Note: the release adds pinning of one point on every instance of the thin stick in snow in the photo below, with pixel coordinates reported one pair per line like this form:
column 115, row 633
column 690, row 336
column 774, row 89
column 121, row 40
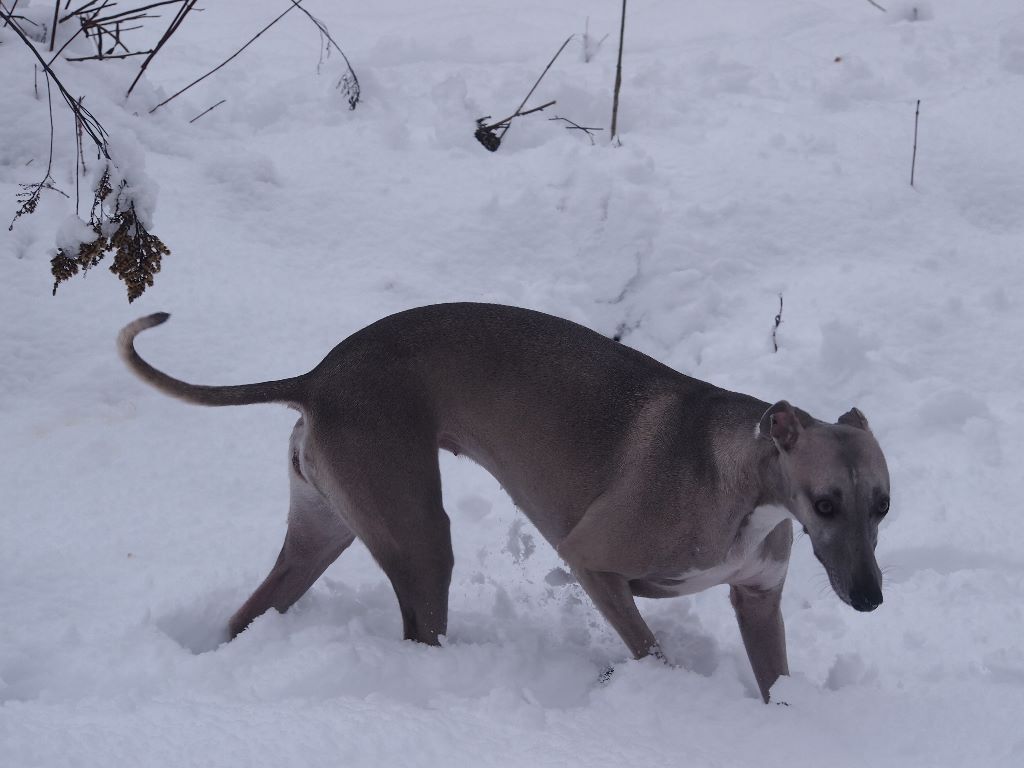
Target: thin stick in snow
column 91, row 125
column 210, row 109
column 778, row 322
column 505, row 123
column 53, row 30
column 913, row 159
column 179, row 17
column 528, row 95
column 486, row 135
column 252, row 40
column 349, row 83
column 618, row 74
column 574, row 126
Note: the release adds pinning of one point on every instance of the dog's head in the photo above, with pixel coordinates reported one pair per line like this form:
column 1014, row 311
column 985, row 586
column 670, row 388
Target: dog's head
column 837, row 486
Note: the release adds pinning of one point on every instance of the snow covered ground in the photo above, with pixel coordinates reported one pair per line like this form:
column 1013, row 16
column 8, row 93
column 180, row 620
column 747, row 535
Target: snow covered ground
column 765, row 149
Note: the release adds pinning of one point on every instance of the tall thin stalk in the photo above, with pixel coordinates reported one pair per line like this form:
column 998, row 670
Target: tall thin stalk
column 618, row 75
column 913, row 159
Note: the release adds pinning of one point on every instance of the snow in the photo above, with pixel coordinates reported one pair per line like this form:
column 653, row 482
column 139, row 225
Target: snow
column 765, row 150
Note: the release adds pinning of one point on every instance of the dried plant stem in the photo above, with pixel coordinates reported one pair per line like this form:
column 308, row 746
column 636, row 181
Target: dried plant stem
column 179, row 17
column 574, row 126
column 49, row 157
column 14, row 7
column 109, row 56
column 509, row 119
column 89, row 122
column 778, row 322
column 618, row 75
column 522, row 104
column 81, row 9
column 53, row 28
column 130, row 13
column 31, row 193
column 66, row 44
column 355, row 88
column 913, row 159
column 253, row 39
column 210, row 109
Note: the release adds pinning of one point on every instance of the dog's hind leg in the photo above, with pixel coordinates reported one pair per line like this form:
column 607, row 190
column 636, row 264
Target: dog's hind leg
column 421, row 575
column 392, row 500
column 316, row 535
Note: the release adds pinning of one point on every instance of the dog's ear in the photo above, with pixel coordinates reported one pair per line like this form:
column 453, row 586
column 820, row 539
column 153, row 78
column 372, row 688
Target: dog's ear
column 782, row 424
column 854, row 418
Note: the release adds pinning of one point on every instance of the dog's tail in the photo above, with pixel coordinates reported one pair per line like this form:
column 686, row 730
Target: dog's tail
column 289, row 391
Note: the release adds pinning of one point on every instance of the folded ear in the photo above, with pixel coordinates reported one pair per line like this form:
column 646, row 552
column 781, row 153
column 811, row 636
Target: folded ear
column 781, row 424
column 854, row 418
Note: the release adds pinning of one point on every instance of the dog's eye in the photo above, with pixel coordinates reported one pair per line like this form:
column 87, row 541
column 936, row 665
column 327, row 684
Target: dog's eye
column 825, row 507
column 883, row 507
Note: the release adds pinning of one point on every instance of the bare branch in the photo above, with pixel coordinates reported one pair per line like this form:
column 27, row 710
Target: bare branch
column 210, row 109
column 14, row 7
column 913, row 159
column 68, row 42
column 80, row 10
column 574, row 126
column 486, row 135
column 53, row 29
column 349, row 84
column 534, row 88
column 775, row 328
column 98, row 57
column 90, row 124
column 179, row 17
column 253, row 39
column 30, row 193
column 618, row 74
column 131, row 13
column 510, row 118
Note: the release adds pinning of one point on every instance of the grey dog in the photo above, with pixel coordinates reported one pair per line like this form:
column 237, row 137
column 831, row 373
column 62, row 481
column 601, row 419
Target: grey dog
column 647, row 482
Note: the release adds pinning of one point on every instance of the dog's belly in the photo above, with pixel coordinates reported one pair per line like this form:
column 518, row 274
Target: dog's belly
column 747, row 562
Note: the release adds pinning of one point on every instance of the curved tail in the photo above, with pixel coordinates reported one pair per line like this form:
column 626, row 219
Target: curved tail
column 289, row 391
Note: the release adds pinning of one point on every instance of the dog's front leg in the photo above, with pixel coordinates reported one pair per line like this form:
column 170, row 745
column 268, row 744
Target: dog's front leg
column 764, row 635
column 614, row 599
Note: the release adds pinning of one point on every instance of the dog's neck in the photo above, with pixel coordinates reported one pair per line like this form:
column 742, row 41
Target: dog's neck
column 749, row 463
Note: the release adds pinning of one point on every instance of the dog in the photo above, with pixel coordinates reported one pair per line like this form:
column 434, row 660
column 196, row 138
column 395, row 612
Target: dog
column 646, row 481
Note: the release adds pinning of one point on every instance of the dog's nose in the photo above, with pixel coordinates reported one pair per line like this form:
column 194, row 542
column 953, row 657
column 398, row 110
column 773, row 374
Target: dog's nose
column 866, row 599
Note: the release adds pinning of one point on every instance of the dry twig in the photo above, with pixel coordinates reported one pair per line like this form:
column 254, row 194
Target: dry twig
column 618, row 75
column 485, row 133
column 179, row 17
column 30, row 193
column 775, row 328
column 252, row 40
column 573, row 126
column 519, row 110
column 348, row 84
column 208, row 109
column 115, row 225
column 913, row 159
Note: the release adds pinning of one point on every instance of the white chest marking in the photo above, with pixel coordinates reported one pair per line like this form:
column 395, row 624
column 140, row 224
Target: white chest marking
column 744, row 561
